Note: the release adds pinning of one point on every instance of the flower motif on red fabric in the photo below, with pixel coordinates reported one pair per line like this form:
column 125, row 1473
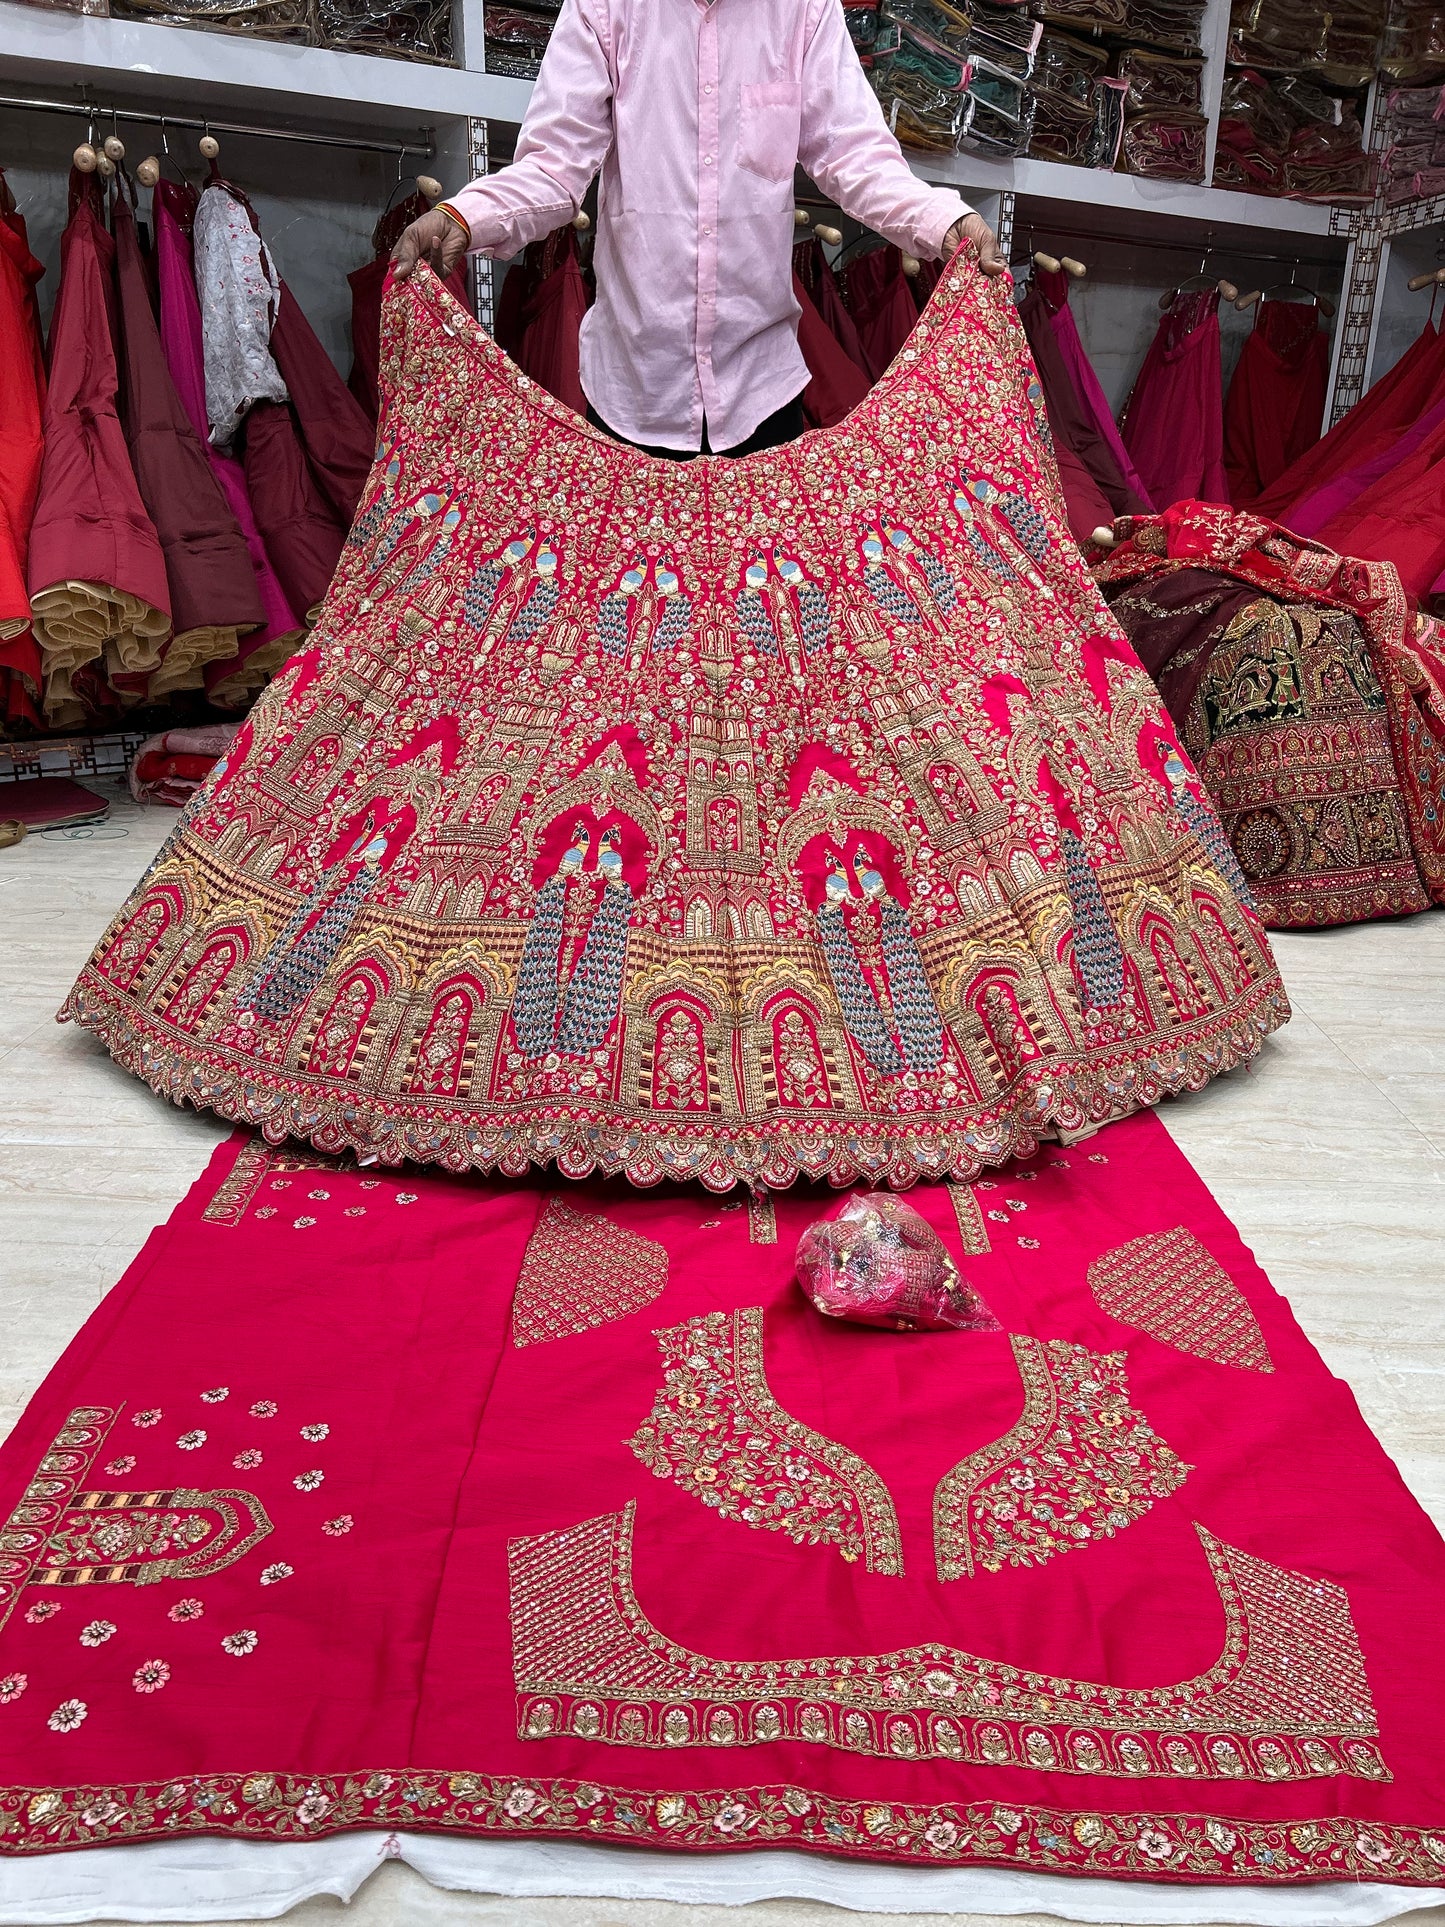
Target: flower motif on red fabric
column 308, row 1481
column 216, row 1396
column 117, row 1468
column 241, row 1643
column 265, row 1408
column 150, row 1676
column 152, row 1416
column 276, row 1572
column 97, row 1632
column 186, row 1609
column 191, row 1441
column 12, row 1685
column 67, row 1716
column 42, row 1610
column 337, row 1527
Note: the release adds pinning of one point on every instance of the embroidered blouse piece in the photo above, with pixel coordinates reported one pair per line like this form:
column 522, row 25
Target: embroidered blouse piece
column 696, row 113
column 732, row 820
column 240, row 293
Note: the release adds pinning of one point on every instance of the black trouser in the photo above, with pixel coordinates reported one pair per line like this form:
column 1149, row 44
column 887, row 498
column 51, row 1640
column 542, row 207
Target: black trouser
column 784, row 425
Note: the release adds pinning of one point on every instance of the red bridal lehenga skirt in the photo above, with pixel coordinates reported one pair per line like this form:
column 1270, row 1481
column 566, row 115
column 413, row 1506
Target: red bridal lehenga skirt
column 803, row 814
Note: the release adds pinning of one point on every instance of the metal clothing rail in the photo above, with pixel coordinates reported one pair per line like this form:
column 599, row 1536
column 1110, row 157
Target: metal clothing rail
column 92, row 111
column 1303, row 257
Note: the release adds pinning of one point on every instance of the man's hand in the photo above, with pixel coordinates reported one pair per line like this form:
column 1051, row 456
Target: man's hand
column 433, row 237
column 973, row 227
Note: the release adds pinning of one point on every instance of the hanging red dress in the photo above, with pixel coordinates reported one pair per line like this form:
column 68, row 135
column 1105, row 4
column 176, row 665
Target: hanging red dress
column 1094, row 488
column 1173, row 424
column 366, row 285
column 881, row 304
column 96, row 573
column 1401, row 517
column 302, row 535
column 22, row 398
column 835, row 382
column 810, row 265
column 332, row 424
column 1385, row 411
column 266, row 648
column 551, row 321
column 213, row 592
column 1276, row 400
column 1053, row 285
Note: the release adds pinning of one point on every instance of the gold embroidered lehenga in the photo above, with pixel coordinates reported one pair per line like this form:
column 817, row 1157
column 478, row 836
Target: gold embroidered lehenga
column 801, row 814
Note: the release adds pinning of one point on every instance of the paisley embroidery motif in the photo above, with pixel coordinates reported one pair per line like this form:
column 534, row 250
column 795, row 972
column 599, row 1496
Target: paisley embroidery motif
column 1172, row 1287
column 717, row 1432
column 1081, row 1464
column 1287, row 1699
column 580, row 1270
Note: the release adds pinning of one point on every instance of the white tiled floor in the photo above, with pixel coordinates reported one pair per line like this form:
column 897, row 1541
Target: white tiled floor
column 1329, row 1154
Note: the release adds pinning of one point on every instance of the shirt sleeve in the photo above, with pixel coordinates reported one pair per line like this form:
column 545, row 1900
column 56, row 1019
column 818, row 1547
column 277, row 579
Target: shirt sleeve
column 848, row 150
column 564, row 138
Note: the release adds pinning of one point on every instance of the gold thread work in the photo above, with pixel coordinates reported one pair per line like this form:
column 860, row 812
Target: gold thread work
column 580, row 1271
column 1175, row 1289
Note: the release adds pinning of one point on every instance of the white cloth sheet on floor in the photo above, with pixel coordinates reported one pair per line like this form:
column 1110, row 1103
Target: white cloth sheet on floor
column 201, row 1880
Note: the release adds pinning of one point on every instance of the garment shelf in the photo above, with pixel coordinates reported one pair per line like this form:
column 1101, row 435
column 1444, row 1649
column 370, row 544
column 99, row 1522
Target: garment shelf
column 138, row 60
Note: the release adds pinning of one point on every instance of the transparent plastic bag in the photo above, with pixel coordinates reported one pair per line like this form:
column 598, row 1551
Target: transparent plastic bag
column 877, row 1262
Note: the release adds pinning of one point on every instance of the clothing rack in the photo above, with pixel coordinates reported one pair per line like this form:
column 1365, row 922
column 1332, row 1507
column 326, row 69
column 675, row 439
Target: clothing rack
column 90, row 110
column 1190, row 249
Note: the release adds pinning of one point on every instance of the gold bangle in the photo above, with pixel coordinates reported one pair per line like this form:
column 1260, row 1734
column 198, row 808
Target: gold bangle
column 445, row 207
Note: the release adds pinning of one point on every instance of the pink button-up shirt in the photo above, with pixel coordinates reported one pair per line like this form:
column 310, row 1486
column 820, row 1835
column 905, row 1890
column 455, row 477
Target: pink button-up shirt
column 696, row 112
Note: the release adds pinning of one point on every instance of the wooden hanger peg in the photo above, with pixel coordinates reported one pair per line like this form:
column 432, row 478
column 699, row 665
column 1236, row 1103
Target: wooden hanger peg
column 1048, row 262
column 210, row 147
column 429, row 187
column 105, row 167
column 149, row 171
column 1418, row 281
column 911, row 264
column 801, row 217
column 1228, row 291
column 85, row 159
column 1248, row 300
column 833, row 236
column 114, row 148
column 1072, row 267
column 581, row 220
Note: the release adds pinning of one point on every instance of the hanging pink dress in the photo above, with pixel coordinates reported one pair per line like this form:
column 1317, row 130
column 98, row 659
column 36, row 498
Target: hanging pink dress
column 174, row 206
column 1384, row 412
column 1173, row 424
column 1054, row 287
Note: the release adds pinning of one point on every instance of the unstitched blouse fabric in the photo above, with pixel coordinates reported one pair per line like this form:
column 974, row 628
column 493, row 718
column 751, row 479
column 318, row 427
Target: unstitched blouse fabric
column 696, row 113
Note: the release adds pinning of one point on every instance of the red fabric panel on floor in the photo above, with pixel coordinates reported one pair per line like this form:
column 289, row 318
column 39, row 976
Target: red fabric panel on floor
column 489, row 1510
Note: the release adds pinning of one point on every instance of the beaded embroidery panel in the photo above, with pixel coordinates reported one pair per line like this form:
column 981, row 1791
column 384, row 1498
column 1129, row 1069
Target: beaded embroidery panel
column 582, row 1271
column 1170, row 1286
column 797, row 815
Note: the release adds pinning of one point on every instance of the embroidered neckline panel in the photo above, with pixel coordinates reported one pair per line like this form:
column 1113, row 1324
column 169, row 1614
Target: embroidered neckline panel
column 717, row 1432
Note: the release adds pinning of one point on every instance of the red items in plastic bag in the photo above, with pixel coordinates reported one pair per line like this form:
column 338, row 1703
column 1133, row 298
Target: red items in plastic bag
column 877, row 1262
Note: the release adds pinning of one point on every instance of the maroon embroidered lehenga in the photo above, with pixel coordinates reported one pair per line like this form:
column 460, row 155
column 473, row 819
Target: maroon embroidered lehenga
column 801, row 814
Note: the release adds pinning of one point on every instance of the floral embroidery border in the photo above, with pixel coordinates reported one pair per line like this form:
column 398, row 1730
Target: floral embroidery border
column 1061, row 1477
column 972, row 1229
column 717, row 1432
column 1149, row 1844
column 1286, row 1700
column 1068, row 1091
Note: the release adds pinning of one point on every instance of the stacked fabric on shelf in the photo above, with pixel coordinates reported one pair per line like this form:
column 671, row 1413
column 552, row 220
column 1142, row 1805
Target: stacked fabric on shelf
column 1414, row 162
column 1311, row 699
column 171, row 767
column 22, row 401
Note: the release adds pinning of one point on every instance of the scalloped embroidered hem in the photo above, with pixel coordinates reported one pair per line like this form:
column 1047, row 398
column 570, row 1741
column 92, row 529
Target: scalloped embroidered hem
column 1071, row 1096
column 1156, row 1846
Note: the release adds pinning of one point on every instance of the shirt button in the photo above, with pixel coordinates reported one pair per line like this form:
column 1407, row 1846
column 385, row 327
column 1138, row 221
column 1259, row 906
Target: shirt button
column 707, row 160
column 707, row 230
column 707, row 89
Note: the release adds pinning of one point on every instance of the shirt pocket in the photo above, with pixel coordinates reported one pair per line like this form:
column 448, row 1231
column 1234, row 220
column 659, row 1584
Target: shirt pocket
column 770, row 116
